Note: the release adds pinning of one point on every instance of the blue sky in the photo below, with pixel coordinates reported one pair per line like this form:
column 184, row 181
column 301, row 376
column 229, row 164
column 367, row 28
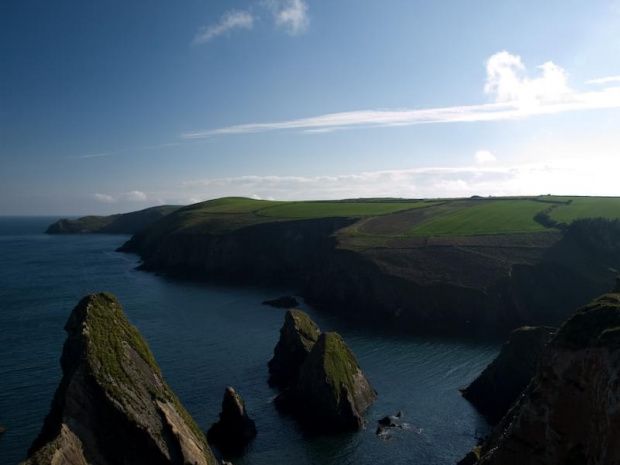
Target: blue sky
column 112, row 106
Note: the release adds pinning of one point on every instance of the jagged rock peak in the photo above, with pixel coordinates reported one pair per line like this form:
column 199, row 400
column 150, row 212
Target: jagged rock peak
column 331, row 393
column 235, row 429
column 297, row 337
column 500, row 384
column 570, row 412
column 112, row 405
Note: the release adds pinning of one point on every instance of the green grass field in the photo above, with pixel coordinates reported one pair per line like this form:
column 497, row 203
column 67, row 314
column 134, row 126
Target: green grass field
column 587, row 207
column 498, row 217
column 458, row 217
column 337, row 209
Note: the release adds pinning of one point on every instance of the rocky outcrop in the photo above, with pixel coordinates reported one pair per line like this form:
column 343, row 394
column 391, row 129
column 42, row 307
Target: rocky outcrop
column 501, row 383
column 112, row 405
column 235, row 429
column 331, row 393
column 286, row 301
column 126, row 223
column 570, row 412
column 297, row 337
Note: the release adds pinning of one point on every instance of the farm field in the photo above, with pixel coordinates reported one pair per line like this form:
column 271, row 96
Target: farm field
column 339, row 209
column 490, row 217
column 587, row 207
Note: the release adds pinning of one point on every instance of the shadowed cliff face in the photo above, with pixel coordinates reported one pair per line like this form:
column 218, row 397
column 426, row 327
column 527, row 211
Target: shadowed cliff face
column 570, row 412
column 331, row 393
column 112, row 405
column 464, row 285
column 500, row 384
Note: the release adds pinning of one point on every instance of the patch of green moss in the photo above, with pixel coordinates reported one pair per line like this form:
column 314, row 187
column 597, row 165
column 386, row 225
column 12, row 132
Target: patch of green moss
column 305, row 326
column 108, row 333
column 339, row 362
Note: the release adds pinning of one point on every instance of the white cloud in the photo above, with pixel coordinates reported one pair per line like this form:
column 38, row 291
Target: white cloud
column 137, row 196
column 291, row 15
column 133, row 196
column 104, row 198
column 484, row 157
column 605, row 80
column 515, row 96
column 229, row 21
column 507, row 81
column 568, row 176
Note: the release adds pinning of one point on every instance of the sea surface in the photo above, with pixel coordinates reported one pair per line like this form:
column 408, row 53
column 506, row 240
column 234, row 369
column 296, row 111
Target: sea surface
column 207, row 336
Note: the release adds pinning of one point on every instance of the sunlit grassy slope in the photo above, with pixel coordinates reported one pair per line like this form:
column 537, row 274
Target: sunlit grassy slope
column 587, row 207
column 384, row 218
column 488, row 217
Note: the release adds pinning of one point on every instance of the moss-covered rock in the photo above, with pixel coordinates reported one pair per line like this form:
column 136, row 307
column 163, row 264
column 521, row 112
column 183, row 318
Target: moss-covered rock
column 297, row 337
column 500, row 384
column 570, row 412
column 331, row 393
column 112, row 405
column 235, row 429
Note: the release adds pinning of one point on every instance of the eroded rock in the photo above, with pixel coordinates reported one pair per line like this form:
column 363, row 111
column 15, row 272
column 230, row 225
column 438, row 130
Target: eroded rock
column 297, row 337
column 331, row 393
column 235, row 429
column 500, row 384
column 112, row 405
column 570, row 412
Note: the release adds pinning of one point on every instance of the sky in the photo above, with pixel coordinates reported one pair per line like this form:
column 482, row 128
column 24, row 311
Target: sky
column 112, row 106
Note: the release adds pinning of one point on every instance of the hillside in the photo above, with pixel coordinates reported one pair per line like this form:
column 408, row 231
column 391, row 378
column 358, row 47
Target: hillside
column 467, row 264
column 125, row 223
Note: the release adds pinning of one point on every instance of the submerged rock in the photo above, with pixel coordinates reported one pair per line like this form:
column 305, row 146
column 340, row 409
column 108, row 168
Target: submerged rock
column 235, row 429
column 570, row 412
column 286, row 301
column 297, row 337
column 501, row 383
column 331, row 393
column 112, row 405
column 2, row 430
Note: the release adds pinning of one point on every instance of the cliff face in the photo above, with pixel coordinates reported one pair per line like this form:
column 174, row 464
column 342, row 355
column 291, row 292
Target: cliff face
column 126, row 223
column 112, row 405
column 570, row 412
column 501, row 383
column 445, row 286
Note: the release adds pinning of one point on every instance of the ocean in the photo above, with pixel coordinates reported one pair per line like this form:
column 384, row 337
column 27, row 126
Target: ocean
column 207, row 336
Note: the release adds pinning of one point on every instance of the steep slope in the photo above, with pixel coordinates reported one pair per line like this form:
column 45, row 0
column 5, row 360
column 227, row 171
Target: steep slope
column 112, row 405
column 125, row 223
column 331, row 393
column 570, row 412
column 297, row 337
column 500, row 384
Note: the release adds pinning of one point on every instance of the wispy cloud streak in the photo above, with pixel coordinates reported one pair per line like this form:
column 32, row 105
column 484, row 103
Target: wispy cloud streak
column 228, row 22
column 515, row 96
column 605, row 80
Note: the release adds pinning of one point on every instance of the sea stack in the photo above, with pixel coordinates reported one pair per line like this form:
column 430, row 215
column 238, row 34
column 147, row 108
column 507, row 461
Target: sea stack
column 112, row 405
column 331, row 393
column 570, row 412
column 297, row 337
column 500, row 384
column 235, row 429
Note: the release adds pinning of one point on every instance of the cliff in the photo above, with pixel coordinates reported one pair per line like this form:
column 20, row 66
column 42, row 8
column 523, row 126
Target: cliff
column 297, row 337
column 470, row 285
column 126, row 223
column 500, row 384
column 570, row 412
column 112, row 405
column 331, row 393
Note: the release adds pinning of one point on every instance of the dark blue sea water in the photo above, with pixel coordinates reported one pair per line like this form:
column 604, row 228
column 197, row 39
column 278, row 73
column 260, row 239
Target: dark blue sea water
column 207, row 336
